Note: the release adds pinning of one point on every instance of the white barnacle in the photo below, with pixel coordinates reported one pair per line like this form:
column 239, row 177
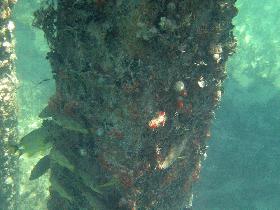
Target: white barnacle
column 13, row 56
column 201, row 82
column 218, row 95
column 11, row 26
column 217, row 57
column 179, row 86
column 8, row 46
column 9, row 180
column 216, row 52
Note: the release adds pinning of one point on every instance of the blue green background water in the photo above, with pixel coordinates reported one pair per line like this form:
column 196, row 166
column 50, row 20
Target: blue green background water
column 242, row 169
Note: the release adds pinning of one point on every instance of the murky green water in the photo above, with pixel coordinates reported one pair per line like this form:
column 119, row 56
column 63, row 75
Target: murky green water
column 242, row 169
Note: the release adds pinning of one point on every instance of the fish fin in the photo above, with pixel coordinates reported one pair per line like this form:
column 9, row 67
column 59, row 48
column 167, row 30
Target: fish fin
column 40, row 168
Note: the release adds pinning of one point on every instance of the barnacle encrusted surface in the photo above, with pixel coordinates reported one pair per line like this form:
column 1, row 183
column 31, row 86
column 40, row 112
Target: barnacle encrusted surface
column 116, row 64
column 8, row 117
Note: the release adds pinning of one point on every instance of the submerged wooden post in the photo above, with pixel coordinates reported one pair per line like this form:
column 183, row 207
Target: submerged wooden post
column 137, row 83
column 8, row 117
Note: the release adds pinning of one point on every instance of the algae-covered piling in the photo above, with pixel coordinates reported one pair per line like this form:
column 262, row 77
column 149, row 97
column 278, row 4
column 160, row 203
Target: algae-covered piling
column 142, row 79
column 8, row 116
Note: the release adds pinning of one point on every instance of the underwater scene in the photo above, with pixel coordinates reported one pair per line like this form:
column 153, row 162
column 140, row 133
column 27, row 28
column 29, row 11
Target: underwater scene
column 139, row 105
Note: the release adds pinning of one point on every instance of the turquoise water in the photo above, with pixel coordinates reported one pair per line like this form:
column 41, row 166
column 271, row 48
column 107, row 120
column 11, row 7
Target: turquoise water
column 242, row 168
column 241, row 171
column 33, row 72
